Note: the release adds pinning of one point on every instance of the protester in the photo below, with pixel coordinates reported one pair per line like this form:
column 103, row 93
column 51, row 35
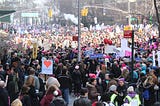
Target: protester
column 48, row 97
column 24, row 96
column 132, row 96
column 4, row 97
column 77, row 79
column 83, row 100
column 92, row 90
column 65, row 82
column 148, row 91
column 32, row 90
column 16, row 102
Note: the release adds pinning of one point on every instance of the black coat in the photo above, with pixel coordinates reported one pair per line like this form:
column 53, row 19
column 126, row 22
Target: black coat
column 33, row 96
column 82, row 101
column 4, row 97
column 26, row 101
column 65, row 81
column 152, row 98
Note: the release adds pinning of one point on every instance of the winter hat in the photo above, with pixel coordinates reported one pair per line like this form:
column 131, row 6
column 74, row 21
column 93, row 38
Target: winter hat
column 130, row 89
column 138, row 65
column 52, row 81
column 91, row 75
column 121, row 79
column 113, row 88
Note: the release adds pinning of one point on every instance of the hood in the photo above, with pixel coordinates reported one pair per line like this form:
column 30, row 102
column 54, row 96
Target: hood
column 90, row 85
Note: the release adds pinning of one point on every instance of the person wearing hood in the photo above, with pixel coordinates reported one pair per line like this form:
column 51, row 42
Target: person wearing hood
column 132, row 96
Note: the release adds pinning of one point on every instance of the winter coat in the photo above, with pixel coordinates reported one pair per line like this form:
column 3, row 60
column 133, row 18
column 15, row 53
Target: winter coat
column 65, row 81
column 25, row 99
column 4, row 97
column 76, row 76
column 152, row 98
column 82, row 101
column 92, row 92
column 46, row 100
column 33, row 96
column 122, row 93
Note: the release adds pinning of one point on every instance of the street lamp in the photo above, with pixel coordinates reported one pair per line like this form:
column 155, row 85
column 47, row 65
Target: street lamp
column 79, row 33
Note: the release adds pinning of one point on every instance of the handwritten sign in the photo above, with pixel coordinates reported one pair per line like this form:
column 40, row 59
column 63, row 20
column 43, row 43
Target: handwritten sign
column 47, row 66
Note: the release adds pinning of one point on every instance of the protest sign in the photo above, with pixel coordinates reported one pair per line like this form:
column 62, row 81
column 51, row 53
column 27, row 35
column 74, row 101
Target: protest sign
column 158, row 53
column 154, row 62
column 110, row 49
column 99, row 55
column 47, row 66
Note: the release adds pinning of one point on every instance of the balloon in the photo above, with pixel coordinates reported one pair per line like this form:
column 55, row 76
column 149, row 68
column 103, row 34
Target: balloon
column 105, row 41
column 109, row 42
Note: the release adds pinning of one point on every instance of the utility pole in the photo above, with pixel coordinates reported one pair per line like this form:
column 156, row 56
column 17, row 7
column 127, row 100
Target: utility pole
column 79, row 33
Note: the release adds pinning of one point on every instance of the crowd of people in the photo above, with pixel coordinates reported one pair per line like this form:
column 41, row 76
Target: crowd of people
column 93, row 81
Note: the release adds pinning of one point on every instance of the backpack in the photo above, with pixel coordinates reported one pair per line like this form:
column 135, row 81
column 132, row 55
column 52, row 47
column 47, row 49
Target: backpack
column 145, row 94
column 58, row 101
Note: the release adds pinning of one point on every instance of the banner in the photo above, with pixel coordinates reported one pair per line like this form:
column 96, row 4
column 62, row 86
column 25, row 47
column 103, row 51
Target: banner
column 47, row 66
column 94, row 56
column 34, row 51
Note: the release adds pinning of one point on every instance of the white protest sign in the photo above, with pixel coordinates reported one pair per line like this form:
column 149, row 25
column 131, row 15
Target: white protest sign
column 158, row 53
column 154, row 63
column 110, row 49
column 124, row 43
column 47, row 66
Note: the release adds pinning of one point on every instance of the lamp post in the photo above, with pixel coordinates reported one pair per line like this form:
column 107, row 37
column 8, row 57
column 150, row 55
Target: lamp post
column 79, row 33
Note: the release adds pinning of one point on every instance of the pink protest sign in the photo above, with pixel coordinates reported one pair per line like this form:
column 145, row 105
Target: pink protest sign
column 128, row 53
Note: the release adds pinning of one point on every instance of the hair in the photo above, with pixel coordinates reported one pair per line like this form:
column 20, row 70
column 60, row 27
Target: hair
column 91, row 80
column 16, row 102
column 31, row 71
column 29, row 81
column 149, row 80
column 83, row 91
column 64, row 70
column 51, row 89
column 24, row 90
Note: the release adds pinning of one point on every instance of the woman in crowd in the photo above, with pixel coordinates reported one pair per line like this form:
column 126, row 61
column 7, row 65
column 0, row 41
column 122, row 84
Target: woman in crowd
column 148, row 91
column 32, row 91
column 24, row 97
column 92, row 90
column 46, row 100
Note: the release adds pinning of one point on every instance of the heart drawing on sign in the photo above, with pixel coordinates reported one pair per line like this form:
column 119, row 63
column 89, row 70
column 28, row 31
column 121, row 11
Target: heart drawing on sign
column 47, row 63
